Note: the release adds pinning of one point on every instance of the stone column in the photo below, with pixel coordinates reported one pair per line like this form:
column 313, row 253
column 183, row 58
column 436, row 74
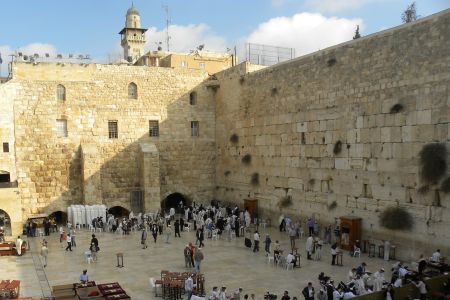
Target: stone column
column 149, row 172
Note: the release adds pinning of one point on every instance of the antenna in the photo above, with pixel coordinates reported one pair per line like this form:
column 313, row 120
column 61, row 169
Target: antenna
column 166, row 8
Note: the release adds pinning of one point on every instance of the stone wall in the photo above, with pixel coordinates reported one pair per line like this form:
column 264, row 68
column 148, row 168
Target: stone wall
column 89, row 167
column 289, row 118
column 7, row 159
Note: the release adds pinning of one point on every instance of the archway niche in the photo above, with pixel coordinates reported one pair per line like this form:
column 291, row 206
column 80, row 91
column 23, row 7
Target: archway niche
column 173, row 200
column 60, row 217
column 5, row 222
column 119, row 212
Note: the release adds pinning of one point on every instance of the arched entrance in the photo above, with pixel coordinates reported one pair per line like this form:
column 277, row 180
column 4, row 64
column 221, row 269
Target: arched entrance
column 5, row 179
column 60, row 217
column 174, row 200
column 5, row 222
column 119, row 212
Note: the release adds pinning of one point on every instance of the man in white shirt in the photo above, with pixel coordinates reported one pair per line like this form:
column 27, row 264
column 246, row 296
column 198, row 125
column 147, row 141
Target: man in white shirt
column 348, row 294
column 189, row 286
column 290, row 259
column 378, row 279
column 422, row 288
column 214, row 294
column 402, row 271
column 436, row 257
column 223, row 294
column 256, row 241
column 337, row 295
column 19, row 243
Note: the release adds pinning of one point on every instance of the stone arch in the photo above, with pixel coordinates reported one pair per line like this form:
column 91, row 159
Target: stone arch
column 173, row 200
column 5, row 176
column 5, row 222
column 119, row 211
column 60, row 217
column 132, row 90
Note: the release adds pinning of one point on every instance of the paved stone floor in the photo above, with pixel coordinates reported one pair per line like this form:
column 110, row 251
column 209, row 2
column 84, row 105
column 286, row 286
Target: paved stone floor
column 226, row 263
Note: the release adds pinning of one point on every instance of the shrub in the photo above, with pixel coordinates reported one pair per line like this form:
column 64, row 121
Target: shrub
column 331, row 62
column 445, row 185
column 285, row 202
column 396, row 218
column 255, row 179
column 332, row 205
column 433, row 161
column 337, row 148
column 396, row 108
column 234, row 138
column 247, row 159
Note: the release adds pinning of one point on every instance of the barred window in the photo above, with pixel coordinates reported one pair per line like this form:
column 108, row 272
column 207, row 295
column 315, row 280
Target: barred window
column 61, row 128
column 153, row 128
column 61, row 92
column 132, row 91
column 193, row 98
column 113, row 130
column 194, row 128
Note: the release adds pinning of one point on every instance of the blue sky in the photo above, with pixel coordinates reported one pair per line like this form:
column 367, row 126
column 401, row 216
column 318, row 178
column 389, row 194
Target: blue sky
column 91, row 26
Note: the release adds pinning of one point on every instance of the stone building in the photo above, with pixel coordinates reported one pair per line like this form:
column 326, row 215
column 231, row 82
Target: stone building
column 338, row 131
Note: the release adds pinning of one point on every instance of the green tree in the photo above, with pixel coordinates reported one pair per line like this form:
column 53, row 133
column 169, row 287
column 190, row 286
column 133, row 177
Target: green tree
column 410, row 14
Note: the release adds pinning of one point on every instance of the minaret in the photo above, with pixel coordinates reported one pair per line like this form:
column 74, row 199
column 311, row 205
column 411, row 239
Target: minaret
column 132, row 36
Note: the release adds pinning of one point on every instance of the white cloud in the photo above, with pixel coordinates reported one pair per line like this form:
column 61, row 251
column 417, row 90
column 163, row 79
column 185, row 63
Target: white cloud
column 332, row 6
column 306, row 32
column 186, row 38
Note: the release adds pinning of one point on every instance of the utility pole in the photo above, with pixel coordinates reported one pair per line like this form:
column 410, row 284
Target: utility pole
column 166, row 8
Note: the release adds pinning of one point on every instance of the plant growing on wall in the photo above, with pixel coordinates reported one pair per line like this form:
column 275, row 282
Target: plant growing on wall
column 226, row 173
column 255, row 179
column 396, row 218
column 331, row 62
column 445, row 185
column 284, row 202
column 337, row 148
column 332, row 205
column 247, row 159
column 396, row 108
column 433, row 162
column 234, row 138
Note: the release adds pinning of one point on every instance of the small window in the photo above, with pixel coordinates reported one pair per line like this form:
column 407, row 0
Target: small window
column 132, row 91
column 153, row 128
column 61, row 128
column 113, row 130
column 193, row 98
column 5, row 147
column 201, row 65
column 184, row 64
column 61, row 92
column 194, row 128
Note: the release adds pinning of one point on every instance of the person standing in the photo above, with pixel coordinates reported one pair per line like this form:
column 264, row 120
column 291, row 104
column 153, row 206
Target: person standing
column 292, row 235
column 44, row 253
column 198, row 257
column 308, row 292
column 168, row 233
column 309, row 246
column 177, row 228
column 69, row 242
column 334, row 250
column 189, row 286
column 94, row 250
column 95, row 241
column 200, row 236
column 154, row 231
column 19, row 243
column 256, row 242
column 72, row 236
column 267, row 243
column 387, row 250
column 187, row 257
column 144, row 238
column 422, row 288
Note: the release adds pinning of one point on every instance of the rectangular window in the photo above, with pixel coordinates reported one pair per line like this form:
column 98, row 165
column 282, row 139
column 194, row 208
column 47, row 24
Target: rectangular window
column 195, row 128
column 113, row 130
column 153, row 128
column 201, row 65
column 61, row 128
column 5, row 147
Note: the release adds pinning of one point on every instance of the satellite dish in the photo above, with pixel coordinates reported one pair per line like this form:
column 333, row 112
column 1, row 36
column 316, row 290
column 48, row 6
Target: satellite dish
column 20, row 54
column 47, row 55
column 36, row 55
column 159, row 48
column 25, row 57
column 59, row 56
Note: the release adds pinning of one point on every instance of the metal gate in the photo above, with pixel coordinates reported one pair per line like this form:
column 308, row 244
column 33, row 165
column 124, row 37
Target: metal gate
column 137, row 201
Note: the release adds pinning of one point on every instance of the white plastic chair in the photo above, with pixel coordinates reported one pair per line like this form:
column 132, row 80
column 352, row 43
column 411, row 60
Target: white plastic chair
column 88, row 256
column 215, row 235
column 91, row 228
column 233, row 234
column 99, row 229
column 187, row 227
column 77, row 226
column 154, row 285
column 270, row 259
column 357, row 252
column 290, row 265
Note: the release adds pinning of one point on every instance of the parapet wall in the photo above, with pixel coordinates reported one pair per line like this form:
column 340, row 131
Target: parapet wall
column 289, row 118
